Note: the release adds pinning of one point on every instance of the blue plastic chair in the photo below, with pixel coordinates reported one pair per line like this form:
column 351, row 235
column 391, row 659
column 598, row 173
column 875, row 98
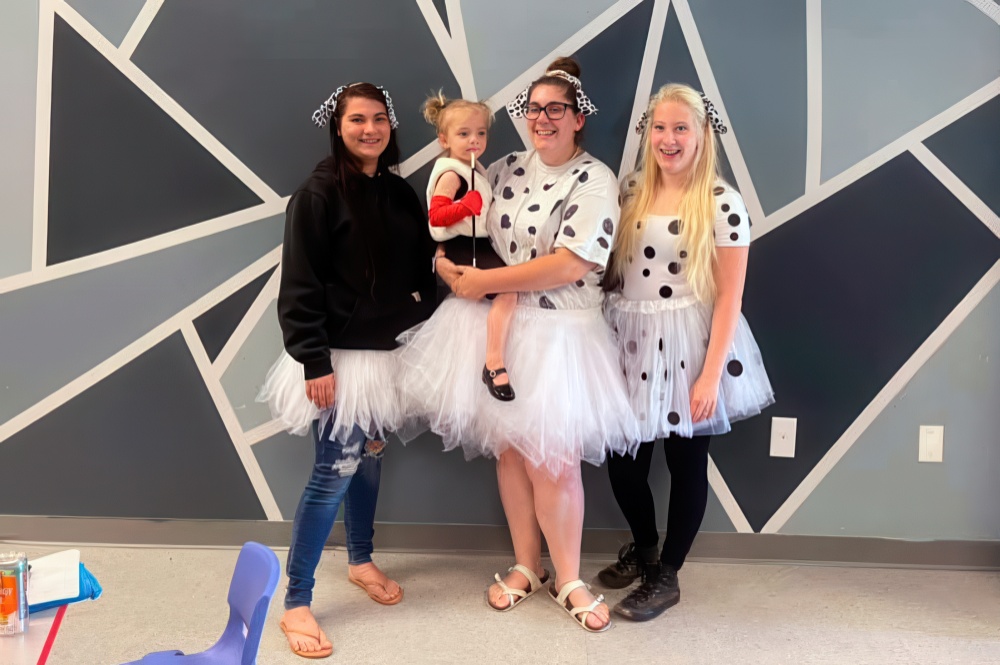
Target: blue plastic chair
column 254, row 581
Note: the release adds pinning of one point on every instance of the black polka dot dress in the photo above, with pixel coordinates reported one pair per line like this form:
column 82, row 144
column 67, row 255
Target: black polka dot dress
column 571, row 404
column 663, row 332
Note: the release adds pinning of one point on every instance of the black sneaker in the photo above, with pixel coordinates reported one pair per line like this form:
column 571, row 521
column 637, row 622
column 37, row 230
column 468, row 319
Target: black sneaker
column 659, row 590
column 622, row 572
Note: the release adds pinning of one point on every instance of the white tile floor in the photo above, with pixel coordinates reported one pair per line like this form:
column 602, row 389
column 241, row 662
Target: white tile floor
column 157, row 599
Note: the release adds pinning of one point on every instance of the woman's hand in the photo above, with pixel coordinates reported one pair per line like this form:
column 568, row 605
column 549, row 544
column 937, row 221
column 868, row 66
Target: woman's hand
column 704, row 397
column 470, row 284
column 321, row 391
column 448, row 271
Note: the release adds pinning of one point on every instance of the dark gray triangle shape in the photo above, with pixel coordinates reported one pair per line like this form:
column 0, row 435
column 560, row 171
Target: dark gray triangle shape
column 216, row 326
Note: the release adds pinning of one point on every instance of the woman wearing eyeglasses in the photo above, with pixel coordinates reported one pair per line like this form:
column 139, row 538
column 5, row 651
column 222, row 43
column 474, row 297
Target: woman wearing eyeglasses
column 553, row 220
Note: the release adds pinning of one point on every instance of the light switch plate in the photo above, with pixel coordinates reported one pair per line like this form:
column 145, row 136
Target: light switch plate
column 783, row 437
column 931, row 444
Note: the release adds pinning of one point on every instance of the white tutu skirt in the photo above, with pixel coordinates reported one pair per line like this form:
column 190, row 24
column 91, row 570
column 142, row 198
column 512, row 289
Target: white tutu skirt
column 366, row 394
column 570, row 403
column 662, row 346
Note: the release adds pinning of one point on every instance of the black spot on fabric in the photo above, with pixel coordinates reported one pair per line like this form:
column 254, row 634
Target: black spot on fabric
column 631, row 346
column 645, row 272
column 649, row 252
column 511, row 158
column 568, row 231
column 661, row 344
column 682, row 365
column 666, row 375
column 508, row 193
column 534, row 207
column 496, row 179
column 570, row 211
column 638, row 225
column 674, row 267
column 580, row 283
column 519, row 171
column 545, row 303
column 718, row 190
column 608, row 226
column 673, row 418
column 725, row 207
column 666, row 291
column 513, row 246
column 734, row 220
column 505, row 221
column 575, row 171
column 684, row 254
column 548, row 186
column 588, row 161
column 556, row 206
column 584, row 176
column 602, row 242
column 534, row 253
column 532, row 230
column 735, row 368
column 674, row 227
column 643, row 376
column 734, row 236
column 527, row 190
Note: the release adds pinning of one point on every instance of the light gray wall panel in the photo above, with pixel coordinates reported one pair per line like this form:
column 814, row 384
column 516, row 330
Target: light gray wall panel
column 758, row 55
column 18, row 80
column 507, row 38
column 55, row 331
column 112, row 18
column 245, row 375
column 880, row 489
column 888, row 66
column 286, row 461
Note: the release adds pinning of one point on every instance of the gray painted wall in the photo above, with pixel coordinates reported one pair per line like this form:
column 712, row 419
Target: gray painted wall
column 245, row 72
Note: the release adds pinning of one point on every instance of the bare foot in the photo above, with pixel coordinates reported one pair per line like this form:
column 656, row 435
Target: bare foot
column 600, row 617
column 303, row 633
column 499, row 599
column 378, row 587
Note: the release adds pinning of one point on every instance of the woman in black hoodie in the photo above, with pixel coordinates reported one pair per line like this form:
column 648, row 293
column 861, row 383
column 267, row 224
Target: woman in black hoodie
column 355, row 272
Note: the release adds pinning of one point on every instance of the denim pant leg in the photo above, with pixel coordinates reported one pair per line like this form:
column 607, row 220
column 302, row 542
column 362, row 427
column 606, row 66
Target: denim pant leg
column 336, row 462
column 359, row 504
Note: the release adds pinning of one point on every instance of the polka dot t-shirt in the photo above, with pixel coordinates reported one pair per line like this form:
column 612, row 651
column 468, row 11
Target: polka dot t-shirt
column 657, row 271
column 538, row 208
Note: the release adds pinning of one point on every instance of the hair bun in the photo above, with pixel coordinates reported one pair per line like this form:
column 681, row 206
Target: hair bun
column 433, row 106
column 568, row 65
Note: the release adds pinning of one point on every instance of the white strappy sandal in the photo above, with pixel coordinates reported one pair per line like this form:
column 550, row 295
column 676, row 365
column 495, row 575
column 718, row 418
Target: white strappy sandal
column 579, row 614
column 517, row 596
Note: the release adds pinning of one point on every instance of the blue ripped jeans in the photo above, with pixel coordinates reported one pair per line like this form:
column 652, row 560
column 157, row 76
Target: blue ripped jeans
column 345, row 471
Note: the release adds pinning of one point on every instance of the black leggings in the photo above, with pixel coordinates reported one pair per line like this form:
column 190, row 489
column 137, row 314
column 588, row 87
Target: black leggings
column 687, row 460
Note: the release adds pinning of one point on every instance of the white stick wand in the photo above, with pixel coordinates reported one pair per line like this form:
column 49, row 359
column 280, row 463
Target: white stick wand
column 472, row 186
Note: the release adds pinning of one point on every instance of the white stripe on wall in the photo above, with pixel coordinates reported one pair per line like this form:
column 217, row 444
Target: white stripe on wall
column 139, row 27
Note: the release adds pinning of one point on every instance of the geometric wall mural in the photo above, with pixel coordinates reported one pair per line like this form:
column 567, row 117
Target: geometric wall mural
column 139, row 259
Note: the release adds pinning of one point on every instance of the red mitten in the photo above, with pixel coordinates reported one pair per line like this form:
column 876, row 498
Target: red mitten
column 445, row 212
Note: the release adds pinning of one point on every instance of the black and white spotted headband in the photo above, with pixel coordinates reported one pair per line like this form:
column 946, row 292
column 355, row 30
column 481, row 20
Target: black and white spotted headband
column 517, row 106
column 326, row 109
column 711, row 115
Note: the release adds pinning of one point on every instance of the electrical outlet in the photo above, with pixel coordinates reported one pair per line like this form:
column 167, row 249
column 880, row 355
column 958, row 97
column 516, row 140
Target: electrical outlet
column 783, row 437
column 931, row 446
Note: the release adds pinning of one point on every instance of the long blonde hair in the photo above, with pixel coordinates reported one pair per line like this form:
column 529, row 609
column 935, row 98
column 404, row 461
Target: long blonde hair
column 697, row 206
column 438, row 108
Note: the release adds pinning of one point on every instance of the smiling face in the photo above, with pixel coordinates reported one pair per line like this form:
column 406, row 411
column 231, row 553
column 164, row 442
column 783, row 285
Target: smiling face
column 555, row 140
column 364, row 127
column 465, row 133
column 674, row 138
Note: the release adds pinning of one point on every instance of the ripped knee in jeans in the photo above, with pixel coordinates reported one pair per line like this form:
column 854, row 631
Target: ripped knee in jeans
column 374, row 448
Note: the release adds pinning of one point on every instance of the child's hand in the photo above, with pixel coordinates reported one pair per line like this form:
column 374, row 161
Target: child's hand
column 448, row 271
column 470, row 284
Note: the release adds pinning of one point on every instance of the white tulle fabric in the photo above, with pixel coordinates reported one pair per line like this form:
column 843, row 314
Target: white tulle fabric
column 570, row 401
column 662, row 346
column 366, row 394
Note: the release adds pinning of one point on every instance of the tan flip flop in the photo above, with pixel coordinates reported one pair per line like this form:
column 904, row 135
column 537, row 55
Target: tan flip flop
column 517, row 596
column 579, row 614
column 322, row 653
column 378, row 599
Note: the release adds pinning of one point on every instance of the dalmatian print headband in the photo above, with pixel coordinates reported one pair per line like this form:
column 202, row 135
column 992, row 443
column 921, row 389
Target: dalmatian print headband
column 326, row 109
column 711, row 114
column 519, row 104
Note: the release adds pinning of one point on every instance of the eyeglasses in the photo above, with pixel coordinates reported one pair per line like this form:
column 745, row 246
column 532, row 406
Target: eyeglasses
column 553, row 110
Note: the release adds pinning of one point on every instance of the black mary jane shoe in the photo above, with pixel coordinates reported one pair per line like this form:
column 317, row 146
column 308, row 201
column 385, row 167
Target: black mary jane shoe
column 504, row 393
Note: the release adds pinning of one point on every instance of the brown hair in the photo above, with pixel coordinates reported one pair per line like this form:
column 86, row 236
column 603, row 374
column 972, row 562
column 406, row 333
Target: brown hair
column 345, row 168
column 438, row 108
column 568, row 90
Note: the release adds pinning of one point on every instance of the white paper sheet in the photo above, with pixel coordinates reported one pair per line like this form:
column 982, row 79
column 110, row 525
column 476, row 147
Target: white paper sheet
column 54, row 577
